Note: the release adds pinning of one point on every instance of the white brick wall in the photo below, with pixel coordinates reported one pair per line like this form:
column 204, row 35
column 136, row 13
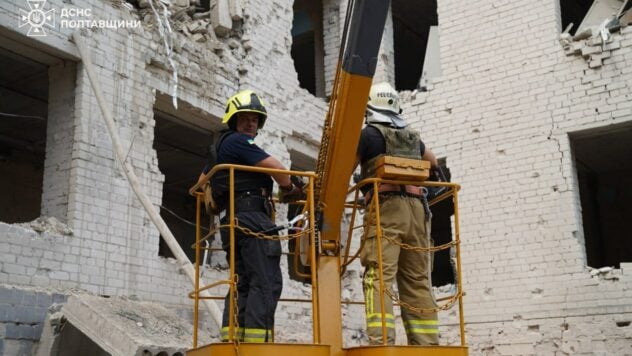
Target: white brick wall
column 501, row 115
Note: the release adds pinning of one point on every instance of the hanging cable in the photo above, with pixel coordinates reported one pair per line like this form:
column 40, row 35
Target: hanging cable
column 181, row 218
column 167, row 35
column 22, row 116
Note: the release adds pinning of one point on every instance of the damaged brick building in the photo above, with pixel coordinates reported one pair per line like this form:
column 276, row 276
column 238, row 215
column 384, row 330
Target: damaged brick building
column 532, row 116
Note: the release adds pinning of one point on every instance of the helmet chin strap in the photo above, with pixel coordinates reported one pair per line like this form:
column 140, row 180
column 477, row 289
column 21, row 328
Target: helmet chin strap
column 384, row 117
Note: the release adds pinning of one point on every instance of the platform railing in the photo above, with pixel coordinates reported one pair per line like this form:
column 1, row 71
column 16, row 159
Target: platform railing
column 451, row 191
column 197, row 191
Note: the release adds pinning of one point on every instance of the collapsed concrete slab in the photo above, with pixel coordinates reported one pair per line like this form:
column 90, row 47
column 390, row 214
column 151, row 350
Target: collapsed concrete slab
column 115, row 326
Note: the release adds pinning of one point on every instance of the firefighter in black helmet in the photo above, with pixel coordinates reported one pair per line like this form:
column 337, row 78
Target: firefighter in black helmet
column 256, row 260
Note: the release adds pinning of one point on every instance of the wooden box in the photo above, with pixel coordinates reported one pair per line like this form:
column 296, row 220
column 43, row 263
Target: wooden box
column 397, row 168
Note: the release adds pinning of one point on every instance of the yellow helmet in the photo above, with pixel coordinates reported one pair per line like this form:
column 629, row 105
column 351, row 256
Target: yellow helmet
column 383, row 97
column 244, row 101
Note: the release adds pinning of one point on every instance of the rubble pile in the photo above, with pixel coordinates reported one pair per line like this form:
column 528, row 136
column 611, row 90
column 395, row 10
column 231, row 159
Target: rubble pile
column 200, row 20
column 48, row 224
column 605, row 273
column 595, row 43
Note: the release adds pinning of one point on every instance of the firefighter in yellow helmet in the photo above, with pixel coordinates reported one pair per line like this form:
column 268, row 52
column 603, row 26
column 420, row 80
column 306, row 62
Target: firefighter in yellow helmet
column 405, row 218
column 256, row 260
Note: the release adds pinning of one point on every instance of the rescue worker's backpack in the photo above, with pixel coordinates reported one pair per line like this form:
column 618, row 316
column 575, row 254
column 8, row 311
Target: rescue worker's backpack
column 212, row 196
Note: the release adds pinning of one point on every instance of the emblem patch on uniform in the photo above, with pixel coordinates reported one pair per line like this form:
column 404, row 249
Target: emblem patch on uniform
column 251, row 141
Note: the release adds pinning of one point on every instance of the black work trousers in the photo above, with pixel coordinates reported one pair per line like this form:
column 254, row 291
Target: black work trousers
column 257, row 264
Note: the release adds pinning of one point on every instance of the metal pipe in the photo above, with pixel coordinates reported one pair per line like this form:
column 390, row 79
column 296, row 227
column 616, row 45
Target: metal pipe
column 196, row 299
column 378, row 236
column 459, row 286
column 233, row 284
column 313, row 267
column 349, row 235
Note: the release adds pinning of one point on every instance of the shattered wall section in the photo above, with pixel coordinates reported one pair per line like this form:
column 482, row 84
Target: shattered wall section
column 596, row 48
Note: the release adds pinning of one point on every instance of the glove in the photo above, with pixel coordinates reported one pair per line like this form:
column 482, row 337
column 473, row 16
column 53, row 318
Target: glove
column 436, row 175
column 297, row 181
column 292, row 192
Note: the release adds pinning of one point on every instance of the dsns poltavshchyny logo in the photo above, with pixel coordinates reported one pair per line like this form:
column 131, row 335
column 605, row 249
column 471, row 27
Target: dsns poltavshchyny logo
column 37, row 18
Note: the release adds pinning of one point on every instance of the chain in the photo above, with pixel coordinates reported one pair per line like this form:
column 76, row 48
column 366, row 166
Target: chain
column 445, row 306
column 236, row 297
column 411, row 247
column 322, row 158
column 450, row 301
column 422, row 249
column 263, row 236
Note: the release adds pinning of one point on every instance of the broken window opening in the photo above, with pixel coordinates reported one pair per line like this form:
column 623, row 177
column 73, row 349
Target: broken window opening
column 573, row 11
column 443, row 271
column 585, row 14
column 205, row 5
column 181, row 148
column 23, row 120
column 412, row 21
column 307, row 46
column 200, row 5
column 604, row 170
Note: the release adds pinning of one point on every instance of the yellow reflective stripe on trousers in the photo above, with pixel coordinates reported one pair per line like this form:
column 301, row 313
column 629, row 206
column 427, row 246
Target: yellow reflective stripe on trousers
column 368, row 293
column 375, row 320
column 225, row 332
column 422, row 326
column 257, row 335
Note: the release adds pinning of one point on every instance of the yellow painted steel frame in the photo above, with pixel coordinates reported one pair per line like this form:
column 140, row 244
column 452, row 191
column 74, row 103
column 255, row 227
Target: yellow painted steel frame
column 373, row 208
column 248, row 349
column 346, row 133
column 341, row 133
column 344, row 142
column 233, row 278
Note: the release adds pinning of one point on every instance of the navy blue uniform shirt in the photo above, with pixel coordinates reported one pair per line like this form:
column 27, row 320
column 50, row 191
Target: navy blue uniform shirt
column 238, row 148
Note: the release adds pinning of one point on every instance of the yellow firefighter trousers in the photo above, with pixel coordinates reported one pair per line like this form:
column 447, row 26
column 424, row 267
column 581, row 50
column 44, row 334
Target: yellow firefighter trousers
column 403, row 220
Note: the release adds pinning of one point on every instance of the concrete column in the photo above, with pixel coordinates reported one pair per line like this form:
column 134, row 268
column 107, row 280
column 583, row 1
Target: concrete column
column 59, row 139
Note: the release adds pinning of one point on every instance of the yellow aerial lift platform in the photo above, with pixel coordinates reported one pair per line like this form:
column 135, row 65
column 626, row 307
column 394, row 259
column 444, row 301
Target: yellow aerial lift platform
column 327, row 190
